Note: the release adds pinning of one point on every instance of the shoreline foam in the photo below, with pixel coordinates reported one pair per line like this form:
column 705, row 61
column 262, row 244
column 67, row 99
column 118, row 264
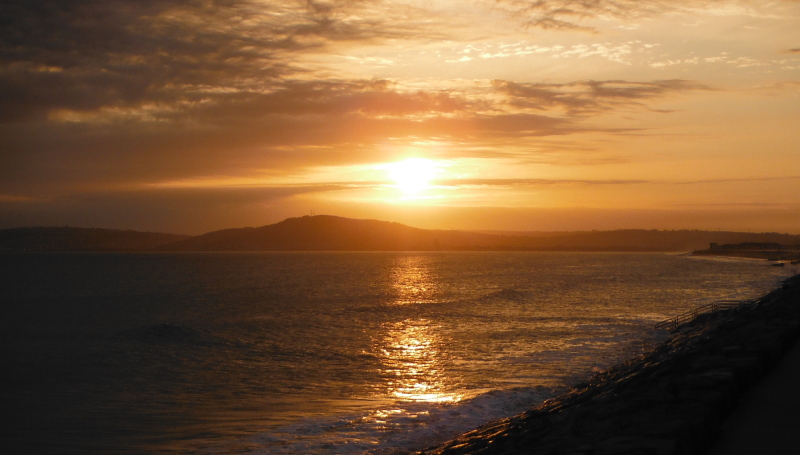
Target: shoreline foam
column 672, row 400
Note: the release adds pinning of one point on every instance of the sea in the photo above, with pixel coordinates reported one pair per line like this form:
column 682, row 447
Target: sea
column 378, row 353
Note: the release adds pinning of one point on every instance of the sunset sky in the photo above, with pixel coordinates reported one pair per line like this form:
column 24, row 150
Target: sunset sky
column 190, row 116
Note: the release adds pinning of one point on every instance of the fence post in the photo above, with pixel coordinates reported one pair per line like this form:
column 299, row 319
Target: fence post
column 735, row 305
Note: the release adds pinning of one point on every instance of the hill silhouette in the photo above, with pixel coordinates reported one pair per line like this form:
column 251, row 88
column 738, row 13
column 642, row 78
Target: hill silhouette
column 332, row 233
column 81, row 239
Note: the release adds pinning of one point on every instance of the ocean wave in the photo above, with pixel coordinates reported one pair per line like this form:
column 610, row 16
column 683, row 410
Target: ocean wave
column 512, row 295
column 396, row 428
column 173, row 333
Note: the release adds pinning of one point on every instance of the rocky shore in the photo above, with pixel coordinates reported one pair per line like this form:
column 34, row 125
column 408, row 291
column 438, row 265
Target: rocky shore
column 672, row 400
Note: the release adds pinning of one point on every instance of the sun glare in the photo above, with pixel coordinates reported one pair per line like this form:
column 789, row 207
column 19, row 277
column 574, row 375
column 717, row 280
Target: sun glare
column 413, row 175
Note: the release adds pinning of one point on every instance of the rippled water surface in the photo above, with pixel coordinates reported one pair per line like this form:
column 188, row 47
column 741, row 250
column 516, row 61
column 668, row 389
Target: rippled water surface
column 320, row 353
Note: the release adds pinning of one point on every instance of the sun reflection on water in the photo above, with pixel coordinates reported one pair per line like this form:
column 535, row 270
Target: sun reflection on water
column 413, row 351
column 413, row 281
column 412, row 362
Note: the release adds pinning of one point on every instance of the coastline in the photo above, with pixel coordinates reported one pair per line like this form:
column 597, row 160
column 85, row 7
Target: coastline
column 762, row 255
column 767, row 251
column 672, row 400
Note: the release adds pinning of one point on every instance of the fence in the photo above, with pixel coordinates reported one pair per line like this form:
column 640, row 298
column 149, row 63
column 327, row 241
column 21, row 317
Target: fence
column 673, row 323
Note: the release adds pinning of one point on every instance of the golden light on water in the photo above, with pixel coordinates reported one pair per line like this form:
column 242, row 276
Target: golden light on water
column 411, row 350
column 413, row 281
column 412, row 362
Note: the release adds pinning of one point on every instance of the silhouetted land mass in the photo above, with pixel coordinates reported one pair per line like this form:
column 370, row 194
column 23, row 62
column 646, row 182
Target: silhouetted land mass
column 331, row 233
column 82, row 239
column 646, row 240
column 772, row 251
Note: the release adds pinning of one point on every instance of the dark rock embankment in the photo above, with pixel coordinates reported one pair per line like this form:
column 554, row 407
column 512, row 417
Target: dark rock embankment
column 672, row 400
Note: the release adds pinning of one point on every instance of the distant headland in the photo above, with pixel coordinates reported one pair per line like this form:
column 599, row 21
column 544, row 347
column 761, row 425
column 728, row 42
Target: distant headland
column 333, row 233
column 755, row 250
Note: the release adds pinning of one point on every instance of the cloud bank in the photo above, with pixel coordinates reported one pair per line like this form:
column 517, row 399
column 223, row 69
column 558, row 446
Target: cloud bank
column 105, row 104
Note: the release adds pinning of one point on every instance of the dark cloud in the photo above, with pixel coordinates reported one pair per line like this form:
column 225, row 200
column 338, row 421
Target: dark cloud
column 584, row 97
column 330, row 98
column 100, row 93
column 568, row 14
column 212, row 61
column 84, row 55
column 794, row 50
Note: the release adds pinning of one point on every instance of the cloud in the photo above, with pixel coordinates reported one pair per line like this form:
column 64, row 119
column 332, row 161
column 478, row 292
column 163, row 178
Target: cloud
column 534, row 182
column 300, row 124
column 180, row 210
column 567, row 14
column 585, row 97
column 517, row 182
column 193, row 62
column 257, row 192
column 736, row 180
column 571, row 14
column 332, row 98
column 85, row 55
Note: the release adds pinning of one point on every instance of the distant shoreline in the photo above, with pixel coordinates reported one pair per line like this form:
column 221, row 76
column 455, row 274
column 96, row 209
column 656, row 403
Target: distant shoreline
column 765, row 255
column 332, row 233
column 769, row 252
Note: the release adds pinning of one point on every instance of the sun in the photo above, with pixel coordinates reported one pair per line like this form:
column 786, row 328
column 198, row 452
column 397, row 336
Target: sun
column 413, row 175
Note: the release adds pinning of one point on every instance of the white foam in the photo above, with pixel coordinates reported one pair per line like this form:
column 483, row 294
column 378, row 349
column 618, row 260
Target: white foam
column 398, row 429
